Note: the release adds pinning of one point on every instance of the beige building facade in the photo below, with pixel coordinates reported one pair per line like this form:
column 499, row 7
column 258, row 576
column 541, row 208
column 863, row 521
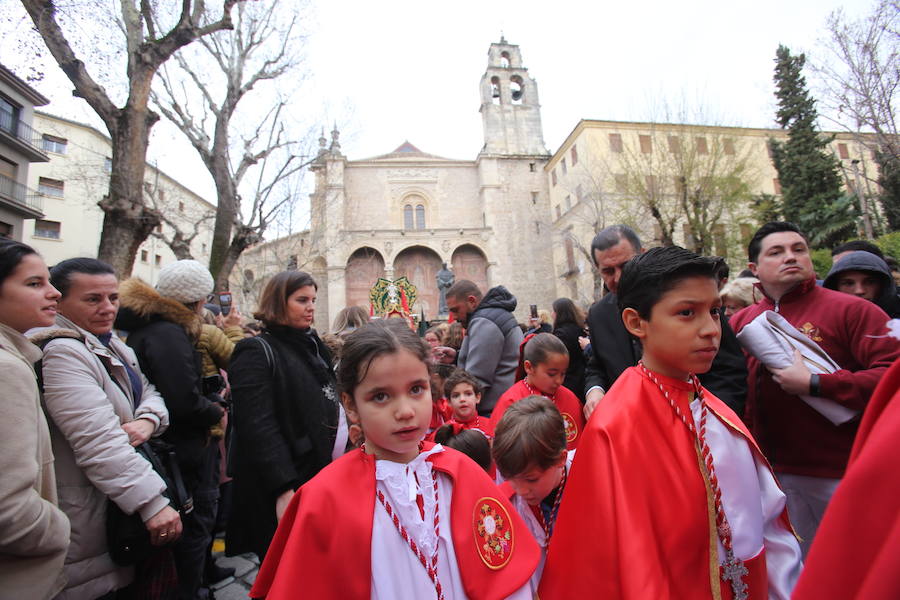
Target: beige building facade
column 77, row 177
column 408, row 212
column 20, row 145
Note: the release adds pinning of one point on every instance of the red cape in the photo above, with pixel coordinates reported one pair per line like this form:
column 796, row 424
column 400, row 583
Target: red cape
column 856, row 553
column 322, row 548
column 636, row 521
column 568, row 404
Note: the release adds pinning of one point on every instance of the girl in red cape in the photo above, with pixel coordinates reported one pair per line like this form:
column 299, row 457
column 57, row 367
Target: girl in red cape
column 398, row 518
column 545, row 361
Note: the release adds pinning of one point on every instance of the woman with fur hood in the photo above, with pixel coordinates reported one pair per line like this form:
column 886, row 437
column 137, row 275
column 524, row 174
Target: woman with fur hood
column 163, row 325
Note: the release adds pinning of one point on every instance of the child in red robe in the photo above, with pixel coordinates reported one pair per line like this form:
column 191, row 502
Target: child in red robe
column 464, row 393
column 545, row 361
column 440, row 408
column 530, row 452
column 398, row 518
column 669, row 496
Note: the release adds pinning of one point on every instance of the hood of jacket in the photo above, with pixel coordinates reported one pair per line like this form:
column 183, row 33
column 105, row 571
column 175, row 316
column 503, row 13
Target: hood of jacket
column 498, row 297
column 862, row 261
column 140, row 304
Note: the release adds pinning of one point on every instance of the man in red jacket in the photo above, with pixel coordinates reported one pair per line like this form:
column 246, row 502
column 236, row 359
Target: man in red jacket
column 809, row 453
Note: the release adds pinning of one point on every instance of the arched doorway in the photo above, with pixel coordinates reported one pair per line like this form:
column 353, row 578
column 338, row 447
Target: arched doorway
column 469, row 263
column 364, row 267
column 420, row 265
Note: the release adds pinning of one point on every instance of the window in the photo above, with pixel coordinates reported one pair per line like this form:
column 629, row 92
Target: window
column 646, row 144
column 674, row 144
column 574, row 155
column 181, row 207
column 6, row 230
column 51, row 143
column 534, row 197
column 777, row 185
column 842, row 151
column 9, row 116
column 145, row 256
column 408, row 216
column 531, row 167
column 562, row 164
column 504, row 60
column 495, row 90
column 8, row 168
column 615, row 142
column 570, row 254
column 728, row 146
column 157, row 260
column 107, row 164
column 46, row 229
column 702, row 148
column 420, row 216
column 51, row 187
column 553, row 176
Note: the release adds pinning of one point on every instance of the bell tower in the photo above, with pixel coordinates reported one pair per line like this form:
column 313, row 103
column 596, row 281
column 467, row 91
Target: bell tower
column 510, row 110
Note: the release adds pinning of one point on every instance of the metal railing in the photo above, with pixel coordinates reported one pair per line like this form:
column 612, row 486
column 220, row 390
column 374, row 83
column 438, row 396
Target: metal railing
column 20, row 193
column 20, row 130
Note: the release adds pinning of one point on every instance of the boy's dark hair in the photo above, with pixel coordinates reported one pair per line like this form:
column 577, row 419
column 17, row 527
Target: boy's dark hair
column 531, row 434
column 724, row 271
column 460, row 376
column 769, row 228
column 470, row 442
column 854, row 245
column 608, row 237
column 272, row 308
column 61, row 273
column 374, row 339
column 646, row 277
column 541, row 346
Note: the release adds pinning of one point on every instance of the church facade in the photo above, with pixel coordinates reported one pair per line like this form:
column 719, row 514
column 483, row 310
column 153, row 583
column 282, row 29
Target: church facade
column 407, row 212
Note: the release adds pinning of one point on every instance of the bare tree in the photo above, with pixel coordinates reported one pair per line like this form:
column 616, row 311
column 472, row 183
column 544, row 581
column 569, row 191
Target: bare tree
column 127, row 219
column 253, row 160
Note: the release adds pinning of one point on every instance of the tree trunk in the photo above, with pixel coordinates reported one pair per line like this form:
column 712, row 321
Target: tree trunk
column 127, row 220
column 244, row 237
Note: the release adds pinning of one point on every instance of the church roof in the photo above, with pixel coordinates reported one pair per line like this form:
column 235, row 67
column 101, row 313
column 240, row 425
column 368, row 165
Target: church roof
column 406, row 150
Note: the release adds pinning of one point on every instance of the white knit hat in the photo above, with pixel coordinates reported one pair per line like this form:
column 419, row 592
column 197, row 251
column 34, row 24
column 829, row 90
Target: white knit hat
column 185, row 280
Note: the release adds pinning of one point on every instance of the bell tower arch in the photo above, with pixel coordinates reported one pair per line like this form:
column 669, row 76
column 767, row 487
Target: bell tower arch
column 510, row 109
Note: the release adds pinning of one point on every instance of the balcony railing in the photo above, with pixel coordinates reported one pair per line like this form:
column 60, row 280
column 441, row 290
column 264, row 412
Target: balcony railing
column 19, row 193
column 20, row 130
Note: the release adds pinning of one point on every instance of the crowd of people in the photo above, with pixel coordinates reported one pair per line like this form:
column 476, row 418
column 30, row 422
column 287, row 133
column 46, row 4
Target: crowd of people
column 689, row 435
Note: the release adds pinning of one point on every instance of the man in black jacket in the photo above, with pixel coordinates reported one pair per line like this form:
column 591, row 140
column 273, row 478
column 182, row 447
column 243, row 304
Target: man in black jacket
column 613, row 350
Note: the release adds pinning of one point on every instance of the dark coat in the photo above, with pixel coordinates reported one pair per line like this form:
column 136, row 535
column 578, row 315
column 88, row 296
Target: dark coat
column 162, row 333
column 285, row 426
column 867, row 262
column 613, row 350
column 569, row 334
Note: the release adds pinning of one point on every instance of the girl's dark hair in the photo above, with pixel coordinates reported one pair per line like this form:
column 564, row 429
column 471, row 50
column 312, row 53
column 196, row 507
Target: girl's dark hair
column 273, row 301
column 11, row 254
column 468, row 441
column 646, row 277
column 566, row 312
column 61, row 273
column 374, row 339
column 531, row 434
column 541, row 346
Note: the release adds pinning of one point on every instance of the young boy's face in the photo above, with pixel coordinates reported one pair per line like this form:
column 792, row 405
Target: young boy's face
column 536, row 484
column 464, row 401
column 683, row 333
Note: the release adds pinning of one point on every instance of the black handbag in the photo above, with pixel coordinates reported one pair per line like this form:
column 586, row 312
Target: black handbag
column 127, row 538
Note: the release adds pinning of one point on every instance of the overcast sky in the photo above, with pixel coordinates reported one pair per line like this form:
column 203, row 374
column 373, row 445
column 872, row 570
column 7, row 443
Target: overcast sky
column 400, row 70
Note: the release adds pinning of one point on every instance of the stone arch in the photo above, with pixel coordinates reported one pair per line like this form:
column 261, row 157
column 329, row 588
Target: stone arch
column 420, row 264
column 516, row 89
column 364, row 267
column 469, row 262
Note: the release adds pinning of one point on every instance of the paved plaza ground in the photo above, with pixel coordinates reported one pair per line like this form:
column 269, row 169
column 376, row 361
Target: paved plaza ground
column 245, row 569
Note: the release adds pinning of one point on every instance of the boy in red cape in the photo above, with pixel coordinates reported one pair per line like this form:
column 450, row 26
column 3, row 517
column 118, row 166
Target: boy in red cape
column 856, row 553
column 669, row 496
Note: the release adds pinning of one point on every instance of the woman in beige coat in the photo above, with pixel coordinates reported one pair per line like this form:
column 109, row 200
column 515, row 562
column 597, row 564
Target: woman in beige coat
column 99, row 405
column 34, row 533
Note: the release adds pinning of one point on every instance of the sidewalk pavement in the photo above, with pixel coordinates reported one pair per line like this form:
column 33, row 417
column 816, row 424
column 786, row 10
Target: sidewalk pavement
column 245, row 569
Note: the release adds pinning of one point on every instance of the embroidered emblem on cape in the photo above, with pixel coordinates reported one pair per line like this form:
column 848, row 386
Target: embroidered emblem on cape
column 811, row 331
column 494, row 538
column 571, row 428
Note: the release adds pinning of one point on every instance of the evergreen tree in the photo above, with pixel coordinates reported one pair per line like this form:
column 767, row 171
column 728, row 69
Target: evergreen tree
column 808, row 171
column 889, row 180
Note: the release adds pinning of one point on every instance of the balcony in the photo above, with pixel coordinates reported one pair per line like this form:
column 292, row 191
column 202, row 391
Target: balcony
column 18, row 197
column 21, row 137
